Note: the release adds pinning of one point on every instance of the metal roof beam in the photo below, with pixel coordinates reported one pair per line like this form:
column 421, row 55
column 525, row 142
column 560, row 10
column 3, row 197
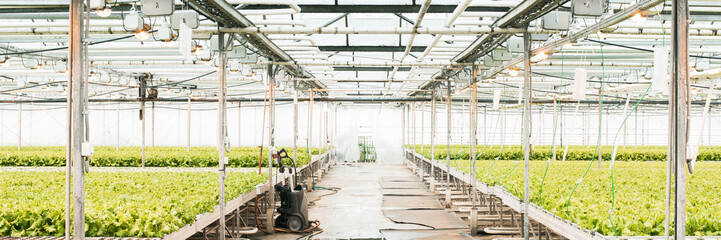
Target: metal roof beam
column 385, row 8
column 370, row 48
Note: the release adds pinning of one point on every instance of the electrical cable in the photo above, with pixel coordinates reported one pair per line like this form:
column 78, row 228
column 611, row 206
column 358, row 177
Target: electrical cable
column 334, row 189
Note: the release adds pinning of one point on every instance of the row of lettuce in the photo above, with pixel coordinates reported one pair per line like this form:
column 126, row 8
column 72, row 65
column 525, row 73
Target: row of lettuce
column 583, row 193
column 118, row 204
column 155, row 156
column 574, row 153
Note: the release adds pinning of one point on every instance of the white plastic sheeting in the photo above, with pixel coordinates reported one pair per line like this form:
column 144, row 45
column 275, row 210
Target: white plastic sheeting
column 381, row 122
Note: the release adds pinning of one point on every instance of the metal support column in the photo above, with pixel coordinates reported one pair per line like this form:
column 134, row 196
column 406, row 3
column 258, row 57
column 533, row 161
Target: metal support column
column 473, row 111
column 142, row 118
column 423, row 127
column 635, row 129
column 679, row 111
column 449, row 104
column 76, row 125
column 221, row 135
column 310, row 123
column 403, row 126
column 526, row 129
column 433, row 140
column 600, row 121
column 271, row 139
column 240, row 125
column 117, row 127
column 414, row 128
column 188, row 127
column 295, row 121
column 555, row 126
column 20, row 126
column 485, row 124
column 152, row 124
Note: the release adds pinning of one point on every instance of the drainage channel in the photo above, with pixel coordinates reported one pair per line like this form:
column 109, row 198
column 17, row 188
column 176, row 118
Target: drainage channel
column 499, row 213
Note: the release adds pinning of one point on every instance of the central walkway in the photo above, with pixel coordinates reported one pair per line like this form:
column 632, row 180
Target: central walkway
column 378, row 201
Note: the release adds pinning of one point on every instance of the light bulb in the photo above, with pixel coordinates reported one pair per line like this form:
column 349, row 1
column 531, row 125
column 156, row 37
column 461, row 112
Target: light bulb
column 512, row 72
column 142, row 35
column 198, row 50
column 638, row 17
column 104, row 12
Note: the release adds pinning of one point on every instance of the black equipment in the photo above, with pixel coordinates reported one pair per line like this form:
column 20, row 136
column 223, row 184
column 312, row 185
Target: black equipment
column 293, row 208
column 293, row 203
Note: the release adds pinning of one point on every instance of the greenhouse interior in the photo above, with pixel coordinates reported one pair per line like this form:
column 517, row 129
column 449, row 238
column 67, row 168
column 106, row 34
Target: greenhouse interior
column 360, row 119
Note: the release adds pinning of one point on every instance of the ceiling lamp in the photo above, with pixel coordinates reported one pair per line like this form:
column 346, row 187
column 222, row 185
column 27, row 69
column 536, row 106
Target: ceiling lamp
column 198, row 50
column 513, row 72
column 638, row 17
column 541, row 56
column 104, row 12
column 143, row 34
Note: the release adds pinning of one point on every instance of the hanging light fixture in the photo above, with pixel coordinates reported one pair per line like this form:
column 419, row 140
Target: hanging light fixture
column 541, row 56
column 143, row 34
column 638, row 17
column 512, row 71
column 104, row 12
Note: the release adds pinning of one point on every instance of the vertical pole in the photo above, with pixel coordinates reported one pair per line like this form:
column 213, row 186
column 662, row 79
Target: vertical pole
column 188, row 127
column 117, row 127
column 403, row 126
column 503, row 127
column 555, row 125
column 635, row 129
column 539, row 139
column 679, row 107
column 414, row 128
column 325, row 122
column 708, row 143
column 310, row 123
column 240, row 125
column 449, row 104
column 485, row 123
column 628, row 98
column 588, row 126
column 142, row 118
column 221, row 135
column 423, row 126
column 20, row 126
column 152, row 125
column 526, row 129
column 607, row 114
column 473, row 109
column 295, row 121
column 433, row 140
column 600, row 121
column 76, row 125
column 142, row 95
column 271, row 139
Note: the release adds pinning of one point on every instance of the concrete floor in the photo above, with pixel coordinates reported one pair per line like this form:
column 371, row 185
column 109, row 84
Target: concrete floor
column 356, row 211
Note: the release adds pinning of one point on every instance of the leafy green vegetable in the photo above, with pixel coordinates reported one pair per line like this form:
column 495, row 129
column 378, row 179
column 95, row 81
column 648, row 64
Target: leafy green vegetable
column 639, row 184
column 514, row 152
column 155, row 156
column 118, row 204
